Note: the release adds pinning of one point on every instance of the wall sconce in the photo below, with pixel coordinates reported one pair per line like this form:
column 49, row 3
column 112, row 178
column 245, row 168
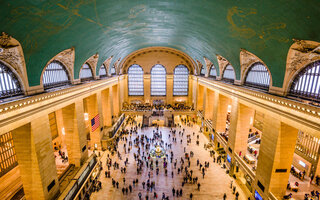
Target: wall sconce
column 86, row 116
column 251, row 120
column 229, row 108
column 63, row 131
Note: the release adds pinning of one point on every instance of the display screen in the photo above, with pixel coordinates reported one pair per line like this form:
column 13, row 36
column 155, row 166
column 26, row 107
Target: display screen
column 228, row 158
column 257, row 196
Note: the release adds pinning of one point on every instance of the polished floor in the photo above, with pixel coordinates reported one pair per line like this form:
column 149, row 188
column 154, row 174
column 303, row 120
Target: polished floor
column 213, row 186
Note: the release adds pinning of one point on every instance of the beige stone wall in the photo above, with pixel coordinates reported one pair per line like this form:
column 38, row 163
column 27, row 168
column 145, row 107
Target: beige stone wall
column 151, row 56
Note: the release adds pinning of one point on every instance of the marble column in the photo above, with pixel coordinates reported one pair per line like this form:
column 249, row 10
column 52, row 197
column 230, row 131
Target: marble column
column 75, row 130
column 275, row 157
column 91, row 106
column 34, row 151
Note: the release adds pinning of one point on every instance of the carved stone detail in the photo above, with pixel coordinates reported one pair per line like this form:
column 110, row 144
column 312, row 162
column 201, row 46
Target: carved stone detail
column 12, row 55
column 107, row 64
column 222, row 64
column 66, row 57
column 93, row 61
column 247, row 59
column 301, row 53
column 209, row 64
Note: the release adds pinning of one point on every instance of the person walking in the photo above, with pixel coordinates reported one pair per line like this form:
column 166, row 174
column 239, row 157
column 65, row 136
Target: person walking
column 224, row 196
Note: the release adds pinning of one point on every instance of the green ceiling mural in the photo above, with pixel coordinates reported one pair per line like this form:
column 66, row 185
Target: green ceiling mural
column 196, row 27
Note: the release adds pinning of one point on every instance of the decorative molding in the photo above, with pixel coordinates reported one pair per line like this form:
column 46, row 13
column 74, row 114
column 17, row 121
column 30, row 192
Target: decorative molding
column 300, row 54
column 199, row 67
column 11, row 54
column 209, row 64
column 116, row 66
column 66, row 57
column 222, row 64
column 92, row 61
column 129, row 59
column 247, row 59
column 107, row 63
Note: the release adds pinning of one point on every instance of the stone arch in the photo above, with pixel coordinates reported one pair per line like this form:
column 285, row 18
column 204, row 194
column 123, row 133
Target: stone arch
column 176, row 57
column 66, row 58
column 11, row 54
column 92, row 62
column 222, row 65
column 301, row 54
column 247, row 59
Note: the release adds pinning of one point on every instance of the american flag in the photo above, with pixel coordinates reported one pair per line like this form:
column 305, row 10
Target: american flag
column 95, row 122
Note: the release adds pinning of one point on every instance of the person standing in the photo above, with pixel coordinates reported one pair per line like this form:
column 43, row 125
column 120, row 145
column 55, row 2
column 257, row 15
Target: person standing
column 224, row 196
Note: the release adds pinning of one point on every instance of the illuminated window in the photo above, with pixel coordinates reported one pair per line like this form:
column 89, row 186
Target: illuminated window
column 180, row 80
column 9, row 84
column 55, row 75
column 113, row 70
column 135, row 80
column 228, row 74
column 258, row 76
column 102, row 71
column 307, row 83
column 8, row 159
column 158, row 80
column 86, row 73
column 213, row 72
column 202, row 71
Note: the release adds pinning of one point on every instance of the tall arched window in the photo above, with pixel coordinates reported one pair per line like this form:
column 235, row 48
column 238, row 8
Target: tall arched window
column 113, row 70
column 213, row 72
column 202, row 71
column 228, row 74
column 55, row 75
column 9, row 84
column 86, row 73
column 258, row 76
column 102, row 71
column 180, row 80
column 307, row 83
column 158, row 80
column 135, row 80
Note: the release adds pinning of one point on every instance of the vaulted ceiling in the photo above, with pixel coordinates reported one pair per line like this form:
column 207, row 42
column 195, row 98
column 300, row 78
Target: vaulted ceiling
column 196, row 27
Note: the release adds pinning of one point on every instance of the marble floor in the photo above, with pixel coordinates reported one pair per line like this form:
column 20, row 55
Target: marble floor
column 213, row 186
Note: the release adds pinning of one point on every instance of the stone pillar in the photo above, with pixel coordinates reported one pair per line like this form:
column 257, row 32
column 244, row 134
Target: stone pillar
column 91, row 106
column 222, row 113
column 209, row 104
column 147, row 89
column 75, row 138
column 169, row 95
column 100, row 109
column 200, row 97
column 115, row 100
column 275, row 157
column 215, row 102
column 33, row 146
column 239, row 127
column 111, row 104
column 204, row 101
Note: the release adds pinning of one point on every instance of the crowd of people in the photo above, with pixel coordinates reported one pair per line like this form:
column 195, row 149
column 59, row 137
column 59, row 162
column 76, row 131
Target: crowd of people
column 159, row 107
column 171, row 165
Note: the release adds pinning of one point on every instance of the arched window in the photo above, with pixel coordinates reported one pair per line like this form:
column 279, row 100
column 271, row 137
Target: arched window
column 9, row 84
column 102, row 71
column 213, row 72
column 86, row 73
column 228, row 74
column 307, row 83
column 180, row 80
column 113, row 70
column 135, row 80
column 202, row 71
column 55, row 75
column 258, row 76
column 158, row 80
